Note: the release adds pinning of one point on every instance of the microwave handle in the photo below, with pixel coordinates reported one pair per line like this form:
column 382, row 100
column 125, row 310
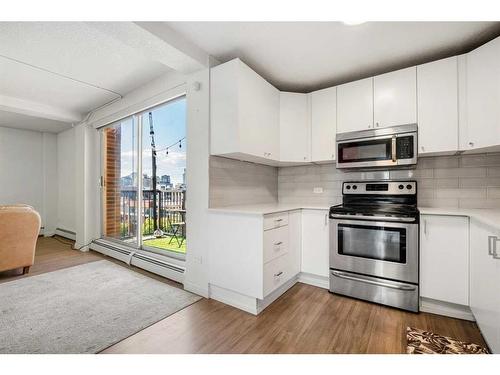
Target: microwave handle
column 393, row 148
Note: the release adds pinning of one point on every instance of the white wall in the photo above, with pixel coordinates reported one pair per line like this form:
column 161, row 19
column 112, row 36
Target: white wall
column 50, row 183
column 197, row 180
column 81, row 169
column 28, row 172
column 66, row 171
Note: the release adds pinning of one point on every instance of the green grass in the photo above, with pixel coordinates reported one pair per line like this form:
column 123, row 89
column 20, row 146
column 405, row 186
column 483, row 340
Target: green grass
column 163, row 243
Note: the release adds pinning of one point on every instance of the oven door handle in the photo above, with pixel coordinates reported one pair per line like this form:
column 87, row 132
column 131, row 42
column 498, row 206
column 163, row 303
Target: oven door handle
column 368, row 281
column 378, row 218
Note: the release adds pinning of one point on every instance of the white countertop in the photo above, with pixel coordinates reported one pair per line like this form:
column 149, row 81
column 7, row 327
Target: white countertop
column 487, row 216
column 263, row 209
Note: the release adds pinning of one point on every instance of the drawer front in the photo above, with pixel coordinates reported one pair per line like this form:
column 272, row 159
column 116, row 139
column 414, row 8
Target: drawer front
column 275, row 243
column 276, row 273
column 275, row 220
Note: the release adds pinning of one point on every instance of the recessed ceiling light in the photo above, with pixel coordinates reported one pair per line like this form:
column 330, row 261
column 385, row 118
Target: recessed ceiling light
column 353, row 23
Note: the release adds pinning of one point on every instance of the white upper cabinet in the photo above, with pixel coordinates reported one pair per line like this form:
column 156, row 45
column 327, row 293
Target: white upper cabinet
column 444, row 256
column 395, row 98
column 323, row 124
column 483, row 96
column 355, row 106
column 244, row 114
column 437, row 96
column 295, row 127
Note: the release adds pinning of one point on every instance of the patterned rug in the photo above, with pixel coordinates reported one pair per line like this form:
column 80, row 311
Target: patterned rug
column 425, row 342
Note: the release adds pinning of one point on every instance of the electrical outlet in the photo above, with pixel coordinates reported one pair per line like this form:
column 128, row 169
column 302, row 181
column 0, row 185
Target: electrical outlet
column 318, row 190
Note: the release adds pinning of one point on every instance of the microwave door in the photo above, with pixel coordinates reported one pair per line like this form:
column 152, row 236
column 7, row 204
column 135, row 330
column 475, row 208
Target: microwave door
column 368, row 152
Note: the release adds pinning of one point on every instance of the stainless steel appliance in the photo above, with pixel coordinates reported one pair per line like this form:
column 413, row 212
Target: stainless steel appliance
column 383, row 147
column 374, row 252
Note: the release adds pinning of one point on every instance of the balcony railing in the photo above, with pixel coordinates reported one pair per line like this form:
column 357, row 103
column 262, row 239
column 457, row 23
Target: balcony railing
column 170, row 211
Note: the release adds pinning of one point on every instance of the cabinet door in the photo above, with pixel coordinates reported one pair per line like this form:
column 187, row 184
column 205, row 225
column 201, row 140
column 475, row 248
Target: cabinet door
column 438, row 106
column 295, row 127
column 355, row 106
column 294, row 240
column 323, row 124
column 485, row 279
column 483, row 96
column 315, row 242
column 444, row 258
column 395, row 98
column 258, row 114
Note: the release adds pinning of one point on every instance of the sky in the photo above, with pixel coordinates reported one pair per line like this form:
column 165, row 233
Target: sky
column 169, row 123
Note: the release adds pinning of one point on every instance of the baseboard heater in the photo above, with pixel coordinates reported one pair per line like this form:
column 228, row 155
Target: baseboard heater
column 139, row 258
column 66, row 233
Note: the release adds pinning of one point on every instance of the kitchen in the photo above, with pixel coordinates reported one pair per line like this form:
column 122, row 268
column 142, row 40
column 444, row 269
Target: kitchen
column 251, row 187
column 424, row 138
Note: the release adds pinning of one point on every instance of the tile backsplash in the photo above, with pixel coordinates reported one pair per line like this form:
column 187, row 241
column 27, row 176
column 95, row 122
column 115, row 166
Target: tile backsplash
column 234, row 182
column 467, row 181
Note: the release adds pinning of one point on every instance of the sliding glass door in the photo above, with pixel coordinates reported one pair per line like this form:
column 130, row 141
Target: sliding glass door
column 119, row 200
column 150, row 144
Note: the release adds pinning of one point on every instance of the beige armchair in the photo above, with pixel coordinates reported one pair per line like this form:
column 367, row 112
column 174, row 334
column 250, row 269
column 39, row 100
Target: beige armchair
column 19, row 229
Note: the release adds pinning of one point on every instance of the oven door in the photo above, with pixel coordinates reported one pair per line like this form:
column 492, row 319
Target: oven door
column 376, row 248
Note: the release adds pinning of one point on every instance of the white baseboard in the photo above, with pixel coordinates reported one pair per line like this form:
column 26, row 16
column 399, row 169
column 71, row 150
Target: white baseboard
column 249, row 304
column 445, row 308
column 314, row 280
column 262, row 304
column 196, row 289
column 235, row 299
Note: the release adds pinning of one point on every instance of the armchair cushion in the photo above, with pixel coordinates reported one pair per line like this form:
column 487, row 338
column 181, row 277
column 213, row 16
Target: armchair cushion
column 19, row 229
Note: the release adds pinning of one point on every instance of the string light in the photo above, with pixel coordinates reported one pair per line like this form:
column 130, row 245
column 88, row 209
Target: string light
column 179, row 142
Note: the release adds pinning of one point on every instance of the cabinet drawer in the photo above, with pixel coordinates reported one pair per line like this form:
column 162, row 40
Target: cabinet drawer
column 275, row 243
column 277, row 272
column 275, row 220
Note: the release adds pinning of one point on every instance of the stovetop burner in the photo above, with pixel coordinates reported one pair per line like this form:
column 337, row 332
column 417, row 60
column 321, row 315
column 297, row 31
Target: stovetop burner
column 378, row 198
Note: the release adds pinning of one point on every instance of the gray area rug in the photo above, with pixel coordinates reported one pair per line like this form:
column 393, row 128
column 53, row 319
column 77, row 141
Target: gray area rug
column 82, row 309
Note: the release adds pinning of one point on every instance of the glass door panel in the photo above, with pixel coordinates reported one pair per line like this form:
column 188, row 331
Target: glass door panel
column 119, row 199
column 164, row 178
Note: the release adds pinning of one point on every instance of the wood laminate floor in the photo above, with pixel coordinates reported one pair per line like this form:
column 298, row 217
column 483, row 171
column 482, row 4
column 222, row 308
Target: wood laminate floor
column 306, row 319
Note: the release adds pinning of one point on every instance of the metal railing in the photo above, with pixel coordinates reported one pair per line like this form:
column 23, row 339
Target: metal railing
column 170, row 210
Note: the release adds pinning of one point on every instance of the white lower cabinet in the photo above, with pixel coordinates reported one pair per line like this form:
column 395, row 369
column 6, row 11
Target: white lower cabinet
column 315, row 242
column 485, row 282
column 444, row 258
column 252, row 256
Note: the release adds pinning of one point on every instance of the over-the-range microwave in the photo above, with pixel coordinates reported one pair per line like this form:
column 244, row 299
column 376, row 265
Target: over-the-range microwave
column 384, row 147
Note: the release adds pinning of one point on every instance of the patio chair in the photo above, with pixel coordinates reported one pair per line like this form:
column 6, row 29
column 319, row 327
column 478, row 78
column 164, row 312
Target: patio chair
column 178, row 229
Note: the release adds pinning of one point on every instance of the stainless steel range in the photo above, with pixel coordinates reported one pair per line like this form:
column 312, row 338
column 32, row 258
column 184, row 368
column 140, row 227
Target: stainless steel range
column 374, row 243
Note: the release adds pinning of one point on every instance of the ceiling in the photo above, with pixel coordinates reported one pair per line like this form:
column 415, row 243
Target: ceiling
column 72, row 66
column 20, row 121
column 305, row 56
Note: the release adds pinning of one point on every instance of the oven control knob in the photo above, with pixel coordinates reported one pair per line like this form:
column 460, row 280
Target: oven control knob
column 348, row 187
column 408, row 186
column 401, row 187
column 354, row 187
